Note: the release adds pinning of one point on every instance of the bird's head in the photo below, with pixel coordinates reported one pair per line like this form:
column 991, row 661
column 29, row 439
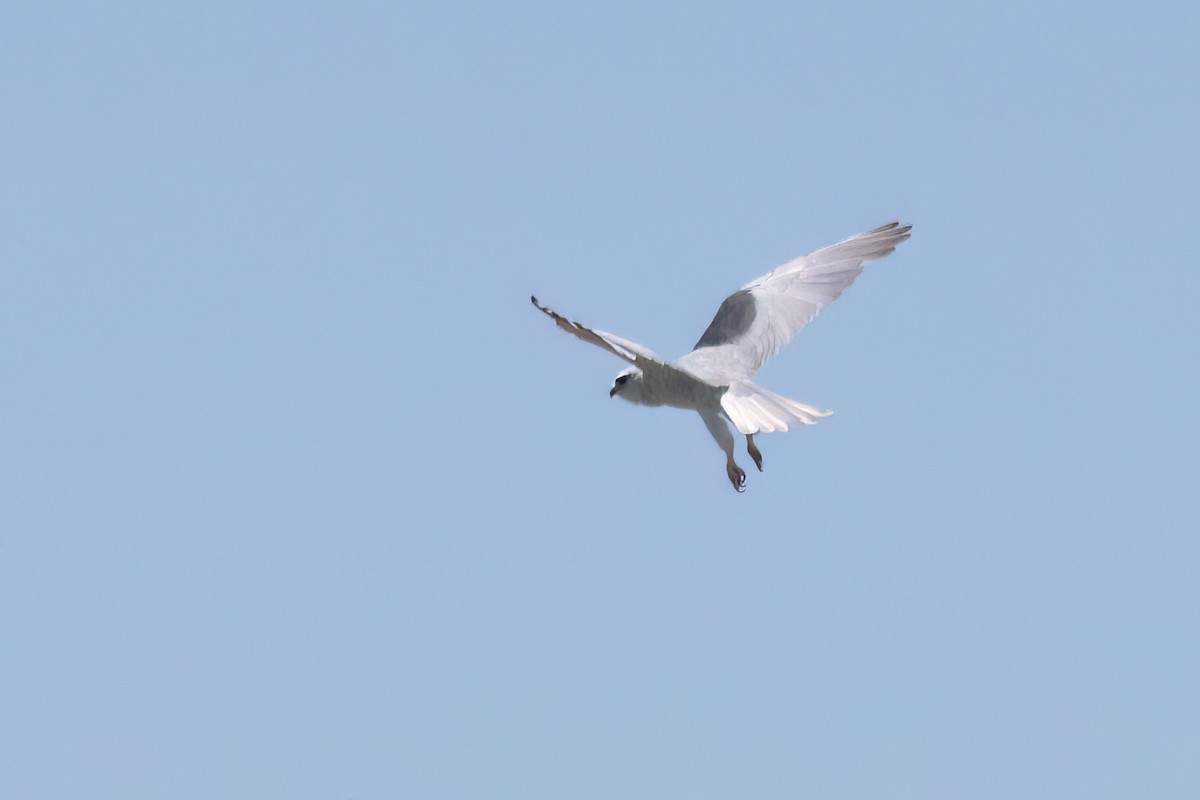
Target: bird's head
column 628, row 385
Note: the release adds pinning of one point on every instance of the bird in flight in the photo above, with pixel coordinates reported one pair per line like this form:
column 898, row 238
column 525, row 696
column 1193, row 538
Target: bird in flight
column 750, row 326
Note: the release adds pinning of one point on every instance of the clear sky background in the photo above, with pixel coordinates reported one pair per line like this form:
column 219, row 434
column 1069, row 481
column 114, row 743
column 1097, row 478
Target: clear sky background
column 302, row 499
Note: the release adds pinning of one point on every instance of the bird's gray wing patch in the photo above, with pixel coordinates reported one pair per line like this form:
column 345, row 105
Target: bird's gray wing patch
column 733, row 319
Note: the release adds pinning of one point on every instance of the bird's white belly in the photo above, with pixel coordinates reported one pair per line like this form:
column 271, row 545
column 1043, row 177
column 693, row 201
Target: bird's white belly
column 679, row 390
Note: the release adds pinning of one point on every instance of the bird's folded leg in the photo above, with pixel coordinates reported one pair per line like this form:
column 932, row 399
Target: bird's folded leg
column 721, row 433
column 752, row 449
column 736, row 476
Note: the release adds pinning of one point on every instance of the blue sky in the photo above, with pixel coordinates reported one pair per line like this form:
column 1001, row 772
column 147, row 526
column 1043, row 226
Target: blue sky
column 302, row 498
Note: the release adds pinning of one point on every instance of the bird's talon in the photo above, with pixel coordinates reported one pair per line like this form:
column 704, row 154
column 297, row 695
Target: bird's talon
column 737, row 477
column 752, row 449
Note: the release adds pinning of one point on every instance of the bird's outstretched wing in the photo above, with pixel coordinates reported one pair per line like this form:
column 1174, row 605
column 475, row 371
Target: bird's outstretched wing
column 632, row 352
column 757, row 320
column 677, row 382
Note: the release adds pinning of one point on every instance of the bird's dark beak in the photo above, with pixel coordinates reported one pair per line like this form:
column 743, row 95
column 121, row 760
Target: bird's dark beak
column 612, row 391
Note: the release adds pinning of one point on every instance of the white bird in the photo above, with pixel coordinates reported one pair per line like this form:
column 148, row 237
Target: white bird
column 750, row 326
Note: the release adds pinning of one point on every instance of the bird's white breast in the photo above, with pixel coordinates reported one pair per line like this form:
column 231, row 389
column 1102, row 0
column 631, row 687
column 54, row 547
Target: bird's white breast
column 670, row 387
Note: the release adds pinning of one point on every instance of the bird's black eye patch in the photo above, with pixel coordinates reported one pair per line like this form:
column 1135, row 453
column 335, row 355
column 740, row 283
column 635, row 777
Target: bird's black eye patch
column 622, row 379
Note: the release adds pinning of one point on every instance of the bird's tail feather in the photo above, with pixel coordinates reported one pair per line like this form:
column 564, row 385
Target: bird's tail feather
column 755, row 410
